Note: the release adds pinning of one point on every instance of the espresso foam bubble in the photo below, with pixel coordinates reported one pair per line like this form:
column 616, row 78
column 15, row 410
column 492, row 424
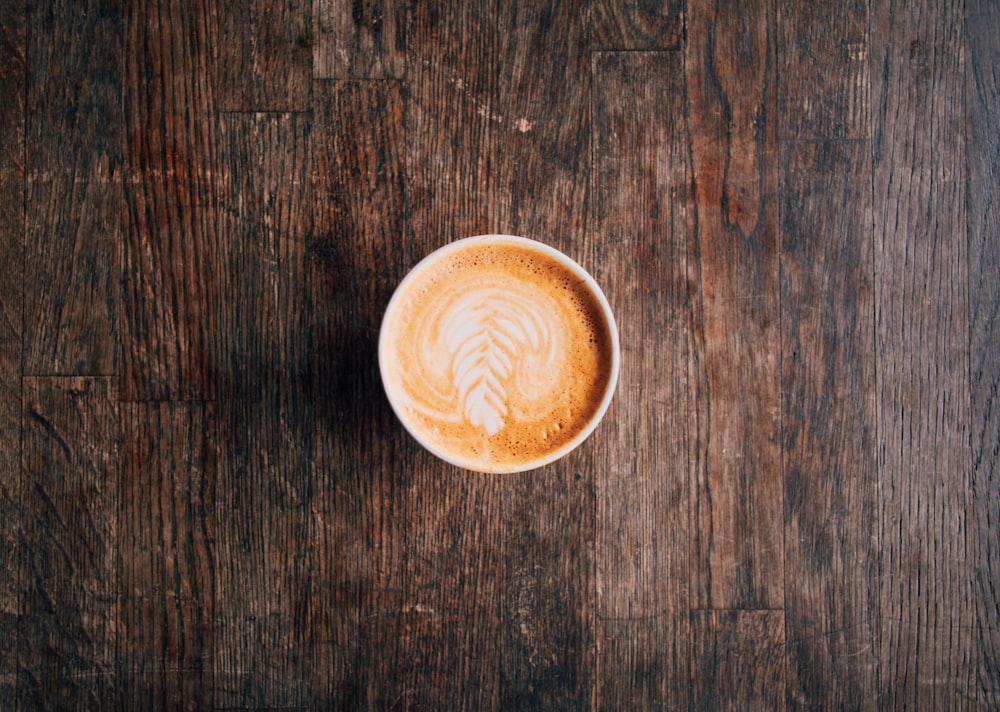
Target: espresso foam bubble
column 497, row 354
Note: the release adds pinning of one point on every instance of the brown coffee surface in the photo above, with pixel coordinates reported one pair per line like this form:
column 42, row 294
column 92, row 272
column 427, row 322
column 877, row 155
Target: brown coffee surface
column 496, row 354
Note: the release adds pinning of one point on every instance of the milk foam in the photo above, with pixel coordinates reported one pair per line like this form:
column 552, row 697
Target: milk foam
column 502, row 349
column 497, row 353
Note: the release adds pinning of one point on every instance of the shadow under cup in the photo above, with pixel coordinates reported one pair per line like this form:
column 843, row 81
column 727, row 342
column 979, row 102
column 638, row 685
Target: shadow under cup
column 499, row 353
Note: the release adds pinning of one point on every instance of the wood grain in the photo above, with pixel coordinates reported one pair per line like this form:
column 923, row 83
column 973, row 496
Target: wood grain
column 644, row 663
column 69, row 498
column 642, row 456
column 206, row 500
column 263, row 489
column 982, row 95
column 828, row 422
column 725, row 645
column 636, row 24
column 357, row 251
column 441, row 634
column 170, row 258
column 828, row 356
column 446, row 572
column 263, row 56
column 539, row 128
column 360, row 39
column 165, row 534
column 423, row 575
column 452, row 85
column 540, row 144
column 547, row 658
column 74, row 187
column 824, row 84
column 733, row 265
column 922, row 347
column 12, row 185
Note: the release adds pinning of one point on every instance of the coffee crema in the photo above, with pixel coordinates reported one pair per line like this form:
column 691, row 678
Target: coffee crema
column 496, row 353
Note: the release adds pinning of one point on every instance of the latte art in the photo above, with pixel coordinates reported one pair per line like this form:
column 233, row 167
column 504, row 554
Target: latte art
column 497, row 354
column 492, row 335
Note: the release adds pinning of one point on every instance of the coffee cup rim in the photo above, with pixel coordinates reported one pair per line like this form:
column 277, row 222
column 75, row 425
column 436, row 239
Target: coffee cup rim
column 562, row 258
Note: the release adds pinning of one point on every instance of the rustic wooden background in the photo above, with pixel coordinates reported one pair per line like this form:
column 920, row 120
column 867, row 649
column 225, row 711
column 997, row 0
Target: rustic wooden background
column 206, row 501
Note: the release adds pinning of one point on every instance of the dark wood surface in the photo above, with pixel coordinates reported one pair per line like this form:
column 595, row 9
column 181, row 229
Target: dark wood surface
column 206, row 502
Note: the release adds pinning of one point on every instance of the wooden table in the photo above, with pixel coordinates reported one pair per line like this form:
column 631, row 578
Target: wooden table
column 794, row 500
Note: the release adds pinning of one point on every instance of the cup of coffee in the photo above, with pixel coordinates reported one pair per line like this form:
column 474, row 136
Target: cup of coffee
column 499, row 353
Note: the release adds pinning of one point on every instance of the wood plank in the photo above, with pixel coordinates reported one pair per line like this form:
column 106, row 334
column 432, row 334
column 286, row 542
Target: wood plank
column 642, row 452
column 12, row 186
column 644, row 662
column 982, row 94
column 733, row 269
column 170, row 261
column 539, row 156
column 74, row 187
column 539, row 134
column 828, row 416
column 452, row 82
column 823, row 72
column 410, row 559
column 360, row 230
column 439, row 636
column 165, row 533
column 636, row 24
column 353, row 624
column 361, row 40
column 69, row 498
column 828, row 375
column 738, row 660
column 922, row 346
column 446, row 572
column 547, row 656
column 263, row 489
column 264, row 56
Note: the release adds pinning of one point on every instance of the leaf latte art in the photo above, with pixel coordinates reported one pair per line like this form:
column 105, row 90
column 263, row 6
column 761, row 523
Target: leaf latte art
column 490, row 333
column 496, row 354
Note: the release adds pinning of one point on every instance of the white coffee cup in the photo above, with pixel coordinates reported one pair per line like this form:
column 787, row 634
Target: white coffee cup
column 499, row 353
